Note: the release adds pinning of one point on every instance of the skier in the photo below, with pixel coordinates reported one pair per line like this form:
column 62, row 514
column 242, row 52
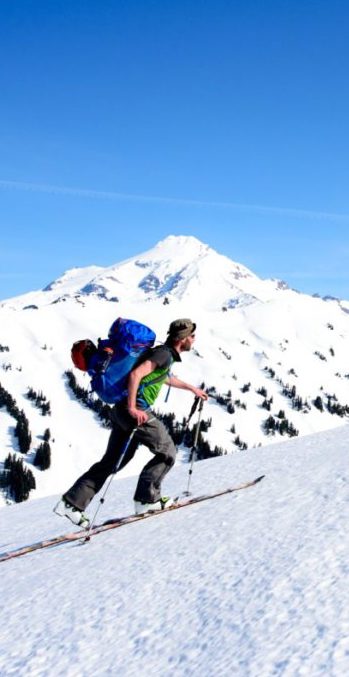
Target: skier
column 144, row 384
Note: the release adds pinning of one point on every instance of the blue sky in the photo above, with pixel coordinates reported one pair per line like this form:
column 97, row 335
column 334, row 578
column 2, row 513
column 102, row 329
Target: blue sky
column 122, row 122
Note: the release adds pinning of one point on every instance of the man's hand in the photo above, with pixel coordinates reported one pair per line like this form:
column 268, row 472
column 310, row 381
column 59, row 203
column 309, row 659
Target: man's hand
column 140, row 416
column 200, row 393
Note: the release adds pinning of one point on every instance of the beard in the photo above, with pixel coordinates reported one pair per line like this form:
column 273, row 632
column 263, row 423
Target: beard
column 187, row 345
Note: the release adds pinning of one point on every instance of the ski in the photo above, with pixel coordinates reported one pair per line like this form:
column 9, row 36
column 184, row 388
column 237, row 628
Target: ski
column 85, row 534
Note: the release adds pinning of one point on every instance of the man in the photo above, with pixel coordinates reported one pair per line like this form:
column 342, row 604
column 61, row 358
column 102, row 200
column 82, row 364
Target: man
column 134, row 413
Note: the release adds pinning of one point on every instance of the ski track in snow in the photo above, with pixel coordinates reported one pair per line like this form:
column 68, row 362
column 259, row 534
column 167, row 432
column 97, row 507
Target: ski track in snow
column 249, row 584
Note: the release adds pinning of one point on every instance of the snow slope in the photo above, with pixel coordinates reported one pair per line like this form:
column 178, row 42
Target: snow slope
column 254, row 584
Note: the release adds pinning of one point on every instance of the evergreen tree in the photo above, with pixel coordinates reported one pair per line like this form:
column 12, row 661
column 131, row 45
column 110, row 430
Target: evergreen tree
column 43, row 456
column 283, row 426
column 46, row 408
column 20, row 480
column 266, row 404
column 269, row 425
column 205, row 425
column 22, row 432
column 318, row 403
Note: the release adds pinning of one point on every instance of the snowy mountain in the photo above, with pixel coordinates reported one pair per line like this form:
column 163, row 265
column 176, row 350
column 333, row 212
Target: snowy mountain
column 273, row 359
column 252, row 584
column 179, row 268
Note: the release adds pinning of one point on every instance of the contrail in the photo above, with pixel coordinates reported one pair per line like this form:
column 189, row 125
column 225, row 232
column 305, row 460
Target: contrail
column 132, row 197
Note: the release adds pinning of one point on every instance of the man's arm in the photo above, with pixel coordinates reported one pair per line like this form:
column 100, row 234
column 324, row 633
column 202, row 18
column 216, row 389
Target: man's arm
column 175, row 382
column 134, row 380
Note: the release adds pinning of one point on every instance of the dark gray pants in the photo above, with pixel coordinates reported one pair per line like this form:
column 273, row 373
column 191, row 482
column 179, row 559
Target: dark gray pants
column 153, row 435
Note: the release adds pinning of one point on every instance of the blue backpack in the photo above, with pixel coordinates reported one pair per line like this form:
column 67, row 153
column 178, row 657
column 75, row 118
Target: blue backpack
column 110, row 363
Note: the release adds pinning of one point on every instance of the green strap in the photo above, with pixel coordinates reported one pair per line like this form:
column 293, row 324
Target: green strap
column 158, row 379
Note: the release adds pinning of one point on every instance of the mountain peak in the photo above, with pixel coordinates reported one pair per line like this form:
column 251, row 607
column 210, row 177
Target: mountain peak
column 180, row 241
column 183, row 268
column 183, row 248
column 179, row 267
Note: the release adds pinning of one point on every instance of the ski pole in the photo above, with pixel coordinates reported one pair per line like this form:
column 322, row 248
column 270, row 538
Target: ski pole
column 102, row 499
column 193, row 449
column 191, row 413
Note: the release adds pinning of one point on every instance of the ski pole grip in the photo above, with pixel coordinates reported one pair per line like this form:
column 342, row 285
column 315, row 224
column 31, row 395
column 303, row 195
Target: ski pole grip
column 194, row 405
